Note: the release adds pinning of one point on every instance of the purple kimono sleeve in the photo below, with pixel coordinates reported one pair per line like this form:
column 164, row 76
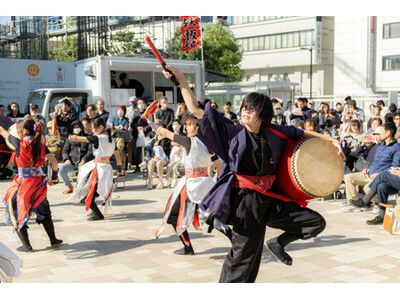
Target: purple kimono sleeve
column 215, row 131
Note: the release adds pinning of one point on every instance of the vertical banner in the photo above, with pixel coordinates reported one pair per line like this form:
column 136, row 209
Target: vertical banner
column 191, row 33
column 318, row 40
column 371, row 52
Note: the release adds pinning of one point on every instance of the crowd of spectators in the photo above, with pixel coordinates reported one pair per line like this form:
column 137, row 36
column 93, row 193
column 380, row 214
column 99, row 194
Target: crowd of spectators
column 370, row 140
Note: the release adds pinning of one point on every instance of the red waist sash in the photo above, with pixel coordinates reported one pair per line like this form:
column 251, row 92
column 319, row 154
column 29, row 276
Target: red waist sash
column 196, row 172
column 262, row 184
column 103, row 160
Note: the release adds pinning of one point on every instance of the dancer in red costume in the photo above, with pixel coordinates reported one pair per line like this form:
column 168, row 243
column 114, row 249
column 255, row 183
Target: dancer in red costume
column 28, row 191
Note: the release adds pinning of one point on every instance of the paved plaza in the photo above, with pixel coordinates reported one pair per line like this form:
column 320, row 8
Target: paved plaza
column 123, row 248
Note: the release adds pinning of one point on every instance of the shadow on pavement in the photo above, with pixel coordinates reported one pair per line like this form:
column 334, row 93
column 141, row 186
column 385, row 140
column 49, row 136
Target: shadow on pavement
column 92, row 249
column 325, row 241
column 115, row 202
column 322, row 241
column 134, row 216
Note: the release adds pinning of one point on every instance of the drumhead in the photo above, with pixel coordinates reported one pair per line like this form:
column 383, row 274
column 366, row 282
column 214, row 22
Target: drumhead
column 14, row 132
column 317, row 168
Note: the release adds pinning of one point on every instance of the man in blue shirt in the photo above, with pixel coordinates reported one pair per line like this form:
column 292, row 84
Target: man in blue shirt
column 387, row 156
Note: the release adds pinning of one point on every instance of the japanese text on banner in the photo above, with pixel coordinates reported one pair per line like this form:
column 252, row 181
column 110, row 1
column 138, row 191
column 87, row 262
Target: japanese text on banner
column 191, row 33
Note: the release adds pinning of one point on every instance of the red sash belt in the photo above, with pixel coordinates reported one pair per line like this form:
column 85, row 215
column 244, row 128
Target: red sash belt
column 103, row 160
column 262, row 184
column 196, row 172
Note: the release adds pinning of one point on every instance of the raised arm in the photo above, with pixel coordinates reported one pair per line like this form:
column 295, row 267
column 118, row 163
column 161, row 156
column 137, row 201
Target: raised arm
column 187, row 94
column 78, row 138
column 160, row 130
column 4, row 133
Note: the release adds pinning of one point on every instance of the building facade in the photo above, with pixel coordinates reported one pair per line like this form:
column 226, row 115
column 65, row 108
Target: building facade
column 286, row 48
column 367, row 55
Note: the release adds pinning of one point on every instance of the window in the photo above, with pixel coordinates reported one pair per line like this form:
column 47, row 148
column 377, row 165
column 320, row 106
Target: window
column 285, row 76
column 391, row 31
column 309, row 37
column 273, row 41
column 278, row 41
column 290, row 39
column 284, row 40
column 303, row 38
column 391, row 63
column 296, row 39
column 243, row 42
column 267, row 44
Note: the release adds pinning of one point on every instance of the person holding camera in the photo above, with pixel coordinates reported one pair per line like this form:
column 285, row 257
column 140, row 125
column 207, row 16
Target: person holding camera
column 301, row 112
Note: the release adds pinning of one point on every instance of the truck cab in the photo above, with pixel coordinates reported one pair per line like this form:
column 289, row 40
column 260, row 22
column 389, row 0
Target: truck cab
column 46, row 99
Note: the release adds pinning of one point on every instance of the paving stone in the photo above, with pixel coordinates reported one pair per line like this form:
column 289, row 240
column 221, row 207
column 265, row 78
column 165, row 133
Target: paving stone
column 123, row 249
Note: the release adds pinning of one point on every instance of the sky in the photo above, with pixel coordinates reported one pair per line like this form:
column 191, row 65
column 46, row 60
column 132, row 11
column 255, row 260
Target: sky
column 4, row 20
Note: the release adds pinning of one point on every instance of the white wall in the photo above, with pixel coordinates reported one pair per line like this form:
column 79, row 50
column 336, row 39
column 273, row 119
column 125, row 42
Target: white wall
column 386, row 80
column 350, row 66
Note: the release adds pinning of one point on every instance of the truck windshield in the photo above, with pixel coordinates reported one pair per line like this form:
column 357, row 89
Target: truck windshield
column 36, row 97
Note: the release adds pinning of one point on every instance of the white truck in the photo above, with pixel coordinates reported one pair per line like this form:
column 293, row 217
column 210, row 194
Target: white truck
column 93, row 82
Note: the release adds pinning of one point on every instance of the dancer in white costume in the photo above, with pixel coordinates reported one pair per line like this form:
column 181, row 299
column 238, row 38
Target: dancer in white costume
column 96, row 177
column 182, row 207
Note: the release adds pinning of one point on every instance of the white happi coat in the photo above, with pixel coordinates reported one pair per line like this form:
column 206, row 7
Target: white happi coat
column 196, row 189
column 198, row 157
column 105, row 171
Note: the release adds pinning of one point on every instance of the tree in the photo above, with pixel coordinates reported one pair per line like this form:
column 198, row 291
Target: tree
column 222, row 52
column 64, row 48
column 123, row 43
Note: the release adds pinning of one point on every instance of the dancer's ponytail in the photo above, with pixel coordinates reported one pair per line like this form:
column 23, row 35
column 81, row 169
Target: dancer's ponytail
column 109, row 135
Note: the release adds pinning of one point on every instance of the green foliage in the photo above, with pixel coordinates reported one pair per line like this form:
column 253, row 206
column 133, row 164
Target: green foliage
column 123, row 43
column 64, row 50
column 222, row 52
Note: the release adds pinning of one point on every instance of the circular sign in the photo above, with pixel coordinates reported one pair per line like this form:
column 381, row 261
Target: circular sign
column 33, row 70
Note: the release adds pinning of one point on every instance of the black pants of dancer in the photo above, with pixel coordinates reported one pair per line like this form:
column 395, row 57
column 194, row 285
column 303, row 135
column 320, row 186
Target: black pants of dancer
column 93, row 205
column 243, row 261
column 44, row 211
column 46, row 220
column 173, row 220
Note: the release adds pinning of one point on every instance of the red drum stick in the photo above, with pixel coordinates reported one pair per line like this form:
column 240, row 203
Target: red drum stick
column 160, row 59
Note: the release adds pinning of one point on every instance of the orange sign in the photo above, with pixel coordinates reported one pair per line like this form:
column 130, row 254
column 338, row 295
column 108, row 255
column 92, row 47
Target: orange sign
column 33, row 70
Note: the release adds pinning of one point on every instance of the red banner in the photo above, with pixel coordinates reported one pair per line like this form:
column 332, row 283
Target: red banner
column 191, row 33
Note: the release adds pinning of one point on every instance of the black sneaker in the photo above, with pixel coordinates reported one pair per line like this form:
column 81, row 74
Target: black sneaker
column 25, row 248
column 185, row 251
column 359, row 203
column 95, row 218
column 56, row 243
column 376, row 221
column 278, row 251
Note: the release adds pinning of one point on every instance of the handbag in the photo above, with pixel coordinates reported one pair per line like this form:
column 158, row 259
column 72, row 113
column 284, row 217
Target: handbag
column 126, row 135
column 361, row 164
column 140, row 141
column 390, row 222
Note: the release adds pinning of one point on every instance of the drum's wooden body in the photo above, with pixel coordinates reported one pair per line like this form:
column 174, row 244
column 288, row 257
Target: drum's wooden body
column 13, row 131
column 309, row 168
